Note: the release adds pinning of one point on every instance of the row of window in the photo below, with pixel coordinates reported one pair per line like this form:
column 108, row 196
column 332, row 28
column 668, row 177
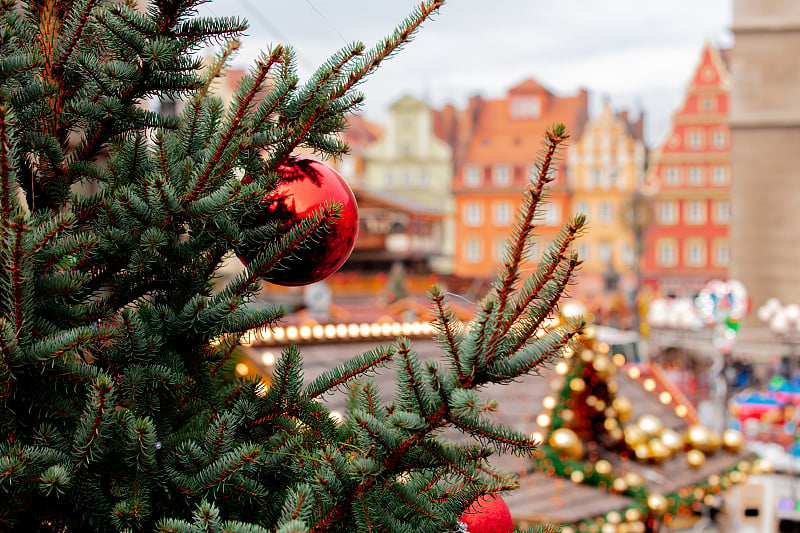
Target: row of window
column 407, row 178
column 695, row 253
column 473, row 251
column 696, row 176
column 603, row 251
column 502, row 212
column 698, row 139
column 694, row 212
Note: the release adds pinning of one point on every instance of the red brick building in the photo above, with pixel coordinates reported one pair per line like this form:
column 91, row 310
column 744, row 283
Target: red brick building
column 689, row 183
column 504, row 141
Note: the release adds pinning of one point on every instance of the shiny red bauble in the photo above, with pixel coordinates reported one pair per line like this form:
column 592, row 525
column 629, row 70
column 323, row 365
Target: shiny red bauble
column 489, row 514
column 306, row 185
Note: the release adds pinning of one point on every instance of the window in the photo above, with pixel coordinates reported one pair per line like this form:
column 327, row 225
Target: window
column 605, row 212
column 502, row 214
column 407, row 178
column 472, row 176
column 582, row 208
column 708, row 104
column 722, row 212
column 501, row 175
column 695, row 213
column 628, row 255
column 667, row 214
column 499, row 249
column 424, row 178
column 473, row 214
column 695, row 139
column 695, row 176
column 719, row 139
column 605, row 252
column 672, row 176
column 695, row 253
column 722, row 253
column 583, row 251
column 472, row 251
column 552, row 215
column 666, row 253
column 389, row 178
column 719, row 175
column 526, row 107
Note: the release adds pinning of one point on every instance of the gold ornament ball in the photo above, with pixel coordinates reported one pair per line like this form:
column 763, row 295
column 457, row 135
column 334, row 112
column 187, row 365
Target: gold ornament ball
column 659, row 451
column 616, row 435
column 695, row 458
column 634, row 435
column 672, row 439
column 613, row 517
column 657, row 503
column 633, row 479
column 637, row 527
column 642, row 451
column 587, row 355
column 702, row 438
column 603, row 367
column 732, row 440
column 566, row 441
column 763, row 466
column 602, row 467
column 577, row 385
column 610, row 424
column 624, row 408
column 633, row 514
column 651, row 425
column 619, row 485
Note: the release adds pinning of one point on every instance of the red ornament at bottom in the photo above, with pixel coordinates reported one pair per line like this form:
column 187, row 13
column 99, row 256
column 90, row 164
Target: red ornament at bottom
column 306, row 185
column 489, row 514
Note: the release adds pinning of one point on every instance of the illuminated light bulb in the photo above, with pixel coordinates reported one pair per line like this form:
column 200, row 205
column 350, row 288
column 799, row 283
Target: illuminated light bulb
column 665, row 398
column 649, row 384
column 397, row 329
column 603, row 347
column 618, row 359
column 428, row 329
column 568, row 353
column 336, row 416
column 549, row 402
column 330, row 331
column 341, row 330
column 681, row 410
column 268, row 358
column 543, row 420
column 364, row 330
column 416, row 328
column 291, row 333
column 353, row 330
column 305, row 332
column 279, row 334
column 318, row 331
column 375, row 330
column 561, row 368
column 406, row 328
column 265, row 334
column 634, row 372
column 386, row 329
column 241, row 369
column 537, row 436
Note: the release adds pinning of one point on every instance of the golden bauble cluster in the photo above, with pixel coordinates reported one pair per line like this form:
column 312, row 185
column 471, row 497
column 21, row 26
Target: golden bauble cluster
column 623, row 407
column 703, row 438
column 732, row 440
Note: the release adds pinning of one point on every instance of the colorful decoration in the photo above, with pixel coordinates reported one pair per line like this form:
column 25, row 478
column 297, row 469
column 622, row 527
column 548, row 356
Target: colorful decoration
column 306, row 186
column 722, row 304
column 489, row 514
column 566, row 441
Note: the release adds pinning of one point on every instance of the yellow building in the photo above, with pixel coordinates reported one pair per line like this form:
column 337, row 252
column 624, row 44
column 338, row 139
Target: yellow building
column 605, row 167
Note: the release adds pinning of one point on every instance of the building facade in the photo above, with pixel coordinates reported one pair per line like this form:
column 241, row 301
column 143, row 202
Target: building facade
column 765, row 121
column 498, row 161
column 689, row 186
column 412, row 162
column 605, row 169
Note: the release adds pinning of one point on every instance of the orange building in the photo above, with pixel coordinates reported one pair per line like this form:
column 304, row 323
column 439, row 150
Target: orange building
column 689, row 180
column 504, row 142
column 605, row 169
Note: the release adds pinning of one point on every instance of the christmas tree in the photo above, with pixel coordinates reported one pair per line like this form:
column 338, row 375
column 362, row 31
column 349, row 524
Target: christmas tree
column 117, row 411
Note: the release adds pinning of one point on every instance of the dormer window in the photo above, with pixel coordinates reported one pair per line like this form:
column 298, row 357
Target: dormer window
column 526, row 107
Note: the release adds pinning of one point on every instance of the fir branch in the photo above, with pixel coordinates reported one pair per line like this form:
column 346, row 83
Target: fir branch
column 346, row 372
column 446, row 323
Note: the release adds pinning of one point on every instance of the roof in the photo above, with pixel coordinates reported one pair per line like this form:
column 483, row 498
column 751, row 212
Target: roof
column 498, row 137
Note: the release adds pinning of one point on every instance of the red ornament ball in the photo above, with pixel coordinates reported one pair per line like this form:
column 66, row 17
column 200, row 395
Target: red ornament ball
column 489, row 514
column 306, row 185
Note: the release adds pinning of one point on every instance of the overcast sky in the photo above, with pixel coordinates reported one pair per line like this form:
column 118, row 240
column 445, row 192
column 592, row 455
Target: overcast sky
column 636, row 53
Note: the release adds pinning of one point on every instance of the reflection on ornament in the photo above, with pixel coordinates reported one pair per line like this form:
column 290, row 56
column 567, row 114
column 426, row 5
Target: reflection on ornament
column 732, row 440
column 650, row 424
column 657, row 503
column 565, row 440
column 695, row 458
column 672, row 439
column 624, row 408
column 602, row 467
column 306, row 187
